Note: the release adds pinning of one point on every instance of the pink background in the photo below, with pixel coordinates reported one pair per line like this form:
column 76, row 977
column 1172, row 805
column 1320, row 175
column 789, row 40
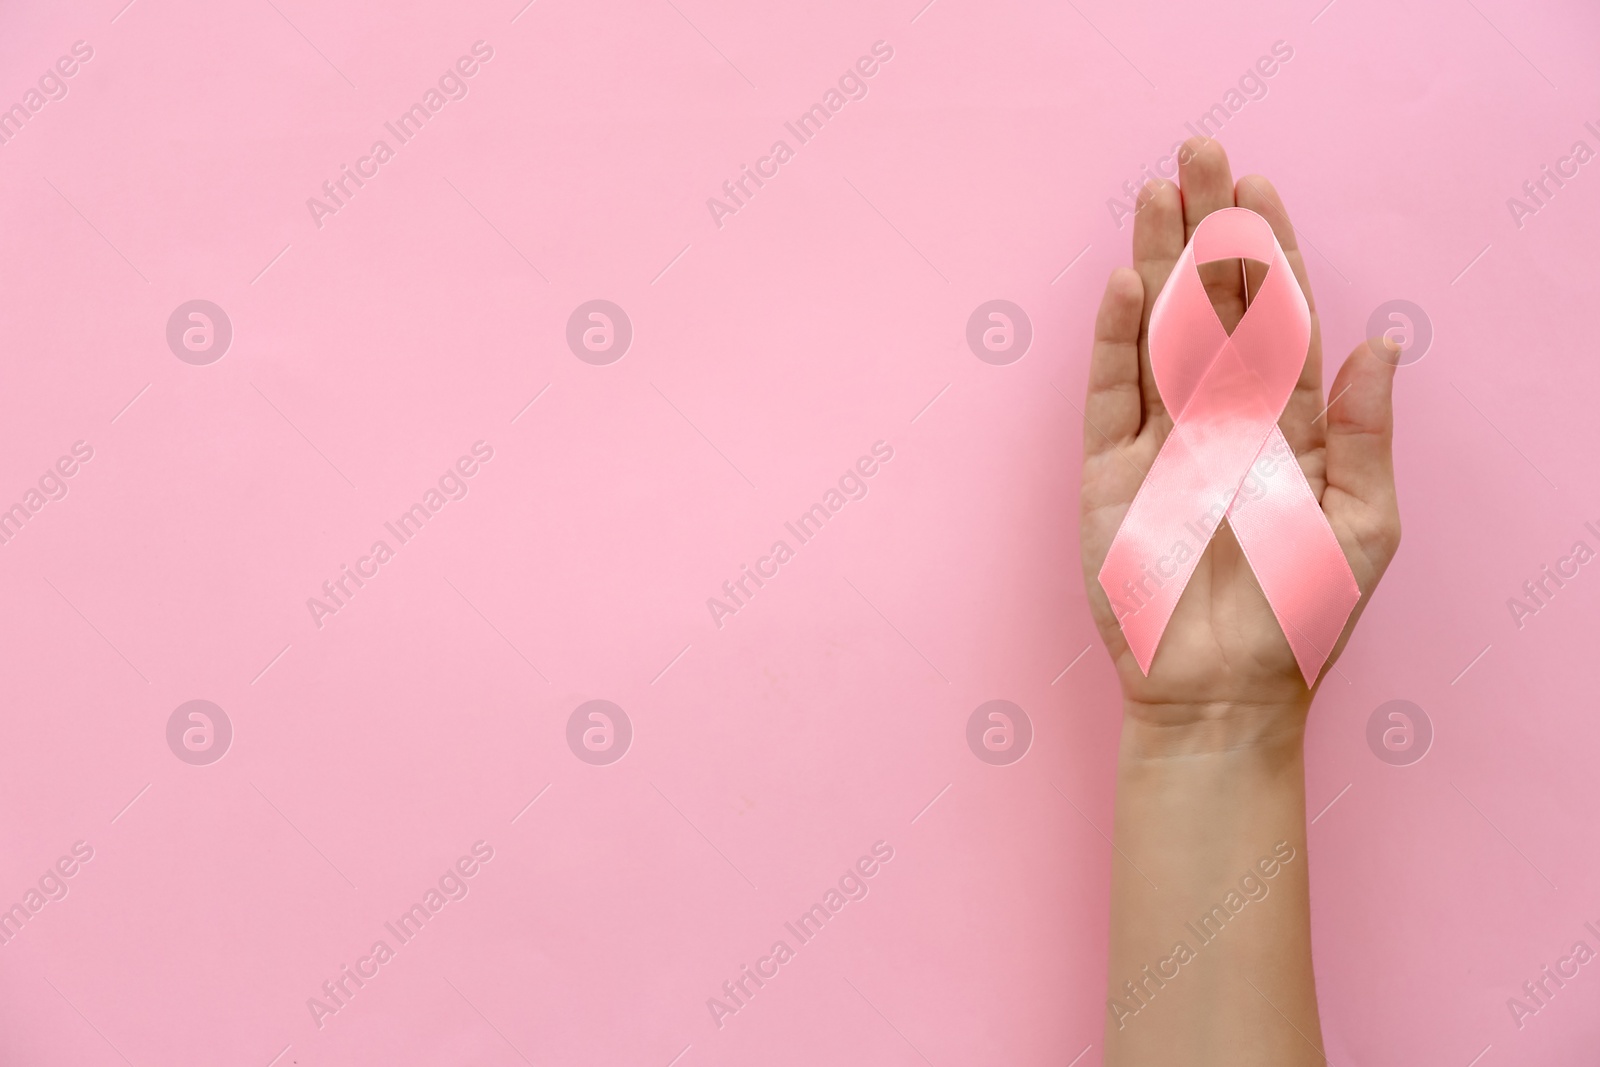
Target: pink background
column 768, row 354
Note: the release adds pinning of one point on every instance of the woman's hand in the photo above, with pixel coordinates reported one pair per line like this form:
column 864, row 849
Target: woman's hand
column 1223, row 666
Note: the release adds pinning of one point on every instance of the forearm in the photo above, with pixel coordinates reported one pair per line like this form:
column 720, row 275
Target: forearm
column 1210, row 910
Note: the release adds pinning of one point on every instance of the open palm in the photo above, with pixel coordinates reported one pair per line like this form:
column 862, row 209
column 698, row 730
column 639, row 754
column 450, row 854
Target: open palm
column 1223, row 649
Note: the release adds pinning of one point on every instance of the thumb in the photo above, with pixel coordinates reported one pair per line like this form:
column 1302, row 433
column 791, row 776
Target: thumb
column 1360, row 497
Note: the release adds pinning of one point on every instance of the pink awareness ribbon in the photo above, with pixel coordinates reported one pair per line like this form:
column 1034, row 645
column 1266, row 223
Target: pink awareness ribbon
column 1226, row 457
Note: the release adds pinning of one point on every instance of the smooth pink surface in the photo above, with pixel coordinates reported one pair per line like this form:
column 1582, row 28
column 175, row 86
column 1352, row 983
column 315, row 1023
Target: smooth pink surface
column 768, row 356
column 1225, row 392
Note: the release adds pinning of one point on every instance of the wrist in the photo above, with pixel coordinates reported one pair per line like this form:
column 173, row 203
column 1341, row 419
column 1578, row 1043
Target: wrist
column 1233, row 775
column 1161, row 731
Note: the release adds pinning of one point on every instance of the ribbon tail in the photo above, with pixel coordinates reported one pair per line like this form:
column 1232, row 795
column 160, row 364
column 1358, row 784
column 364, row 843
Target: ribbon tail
column 1297, row 559
column 1165, row 532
